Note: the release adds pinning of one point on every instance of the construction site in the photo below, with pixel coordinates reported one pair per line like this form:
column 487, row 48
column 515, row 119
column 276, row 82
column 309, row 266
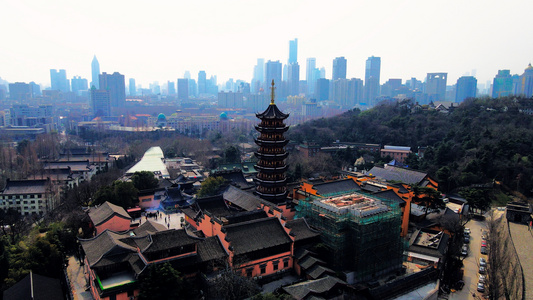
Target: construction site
column 361, row 232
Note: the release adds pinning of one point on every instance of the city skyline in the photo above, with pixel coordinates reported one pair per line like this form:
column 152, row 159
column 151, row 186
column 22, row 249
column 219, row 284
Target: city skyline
column 161, row 41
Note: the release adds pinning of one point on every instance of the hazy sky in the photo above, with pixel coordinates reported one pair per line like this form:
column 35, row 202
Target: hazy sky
column 159, row 40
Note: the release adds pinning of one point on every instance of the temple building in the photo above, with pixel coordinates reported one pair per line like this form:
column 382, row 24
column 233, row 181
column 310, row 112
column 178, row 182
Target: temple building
column 271, row 182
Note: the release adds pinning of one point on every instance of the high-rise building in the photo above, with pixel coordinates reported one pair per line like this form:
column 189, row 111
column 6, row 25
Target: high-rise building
column 171, row 87
column 272, row 72
column 293, row 51
column 271, row 182
column 20, row 91
column 132, row 87
column 526, row 82
column 372, row 82
column 202, row 83
column 95, row 73
column 465, row 88
column 391, row 88
column 78, row 84
column 59, row 81
column 436, row 86
column 193, row 88
column 116, row 85
column 503, row 84
column 294, row 79
column 347, row 92
column 339, row 68
column 230, row 100
column 35, row 89
column 310, row 75
column 183, row 89
column 259, row 75
column 100, row 103
column 322, row 89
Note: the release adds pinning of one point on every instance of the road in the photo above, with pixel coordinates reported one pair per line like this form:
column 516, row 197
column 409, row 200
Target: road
column 523, row 242
column 471, row 263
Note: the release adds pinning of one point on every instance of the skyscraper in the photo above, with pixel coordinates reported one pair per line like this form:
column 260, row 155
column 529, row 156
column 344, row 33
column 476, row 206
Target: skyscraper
column 310, row 75
column 436, row 86
column 78, row 84
column 59, row 81
column 259, row 75
column 100, row 102
column 272, row 72
column 171, row 87
column 503, row 84
column 202, row 83
column 466, row 87
column 294, row 79
column 132, row 87
column 19, row 91
column 116, row 85
column 183, row 89
column 293, row 51
column 526, row 82
column 339, row 68
column 372, row 73
column 95, row 72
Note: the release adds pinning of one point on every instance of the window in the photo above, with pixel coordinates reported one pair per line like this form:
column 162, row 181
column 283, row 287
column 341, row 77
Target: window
column 275, row 264
column 249, row 272
column 285, row 263
column 262, row 268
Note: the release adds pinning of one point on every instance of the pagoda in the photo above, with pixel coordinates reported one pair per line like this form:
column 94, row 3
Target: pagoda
column 271, row 182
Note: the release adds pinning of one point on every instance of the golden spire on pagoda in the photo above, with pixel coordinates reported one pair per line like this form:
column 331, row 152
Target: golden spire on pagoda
column 272, row 93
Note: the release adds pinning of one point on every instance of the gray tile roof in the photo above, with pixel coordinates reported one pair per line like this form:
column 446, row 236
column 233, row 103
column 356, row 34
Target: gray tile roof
column 391, row 173
column 312, row 287
column 255, row 235
column 18, row 187
column 149, row 227
column 211, row 249
column 75, row 166
column 44, row 288
column 310, row 261
column 390, row 195
column 168, row 239
column 107, row 243
column 338, row 186
column 242, row 199
column 105, row 212
column 301, row 230
column 318, row 271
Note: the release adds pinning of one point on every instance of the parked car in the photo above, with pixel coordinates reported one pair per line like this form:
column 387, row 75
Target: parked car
column 464, row 250
column 483, row 243
column 482, row 278
column 466, row 239
column 467, row 230
column 480, row 287
column 482, row 262
column 482, row 270
column 483, row 250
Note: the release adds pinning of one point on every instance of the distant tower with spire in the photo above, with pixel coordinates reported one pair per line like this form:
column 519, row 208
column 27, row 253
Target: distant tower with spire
column 95, row 71
column 271, row 181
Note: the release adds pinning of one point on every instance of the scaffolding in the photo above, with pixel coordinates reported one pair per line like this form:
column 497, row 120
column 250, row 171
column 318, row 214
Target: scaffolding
column 362, row 232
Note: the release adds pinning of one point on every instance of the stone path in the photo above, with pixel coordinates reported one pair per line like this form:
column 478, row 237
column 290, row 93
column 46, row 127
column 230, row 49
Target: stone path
column 77, row 280
column 523, row 242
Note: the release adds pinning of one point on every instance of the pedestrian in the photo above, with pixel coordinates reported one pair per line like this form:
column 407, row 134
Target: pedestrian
column 168, row 225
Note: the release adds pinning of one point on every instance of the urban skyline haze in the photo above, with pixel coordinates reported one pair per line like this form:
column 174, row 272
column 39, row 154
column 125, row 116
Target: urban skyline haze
column 161, row 40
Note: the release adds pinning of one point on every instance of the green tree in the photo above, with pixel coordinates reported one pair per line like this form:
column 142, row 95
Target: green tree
column 211, row 186
column 144, row 180
column 232, row 154
column 427, row 197
column 161, row 281
column 477, row 198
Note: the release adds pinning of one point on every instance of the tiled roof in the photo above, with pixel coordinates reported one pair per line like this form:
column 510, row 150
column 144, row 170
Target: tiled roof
column 17, row 187
column 75, row 166
column 338, row 186
column 242, row 199
column 105, row 212
column 246, row 216
column 44, row 288
column 318, row 271
column 211, row 249
column 215, row 205
column 301, row 230
column 389, row 195
column 106, row 243
column 170, row 239
column 255, row 235
column 272, row 112
column 310, row 261
column 391, row 173
column 149, row 227
column 312, row 287
column 235, row 176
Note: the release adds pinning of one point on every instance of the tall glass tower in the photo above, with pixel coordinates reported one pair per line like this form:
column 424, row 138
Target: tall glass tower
column 95, row 71
column 372, row 72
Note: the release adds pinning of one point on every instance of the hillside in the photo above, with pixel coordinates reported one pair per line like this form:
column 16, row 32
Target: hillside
column 481, row 140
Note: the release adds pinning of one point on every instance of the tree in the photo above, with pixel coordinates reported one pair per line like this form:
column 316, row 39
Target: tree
column 232, row 154
column 477, row 198
column 144, row 180
column 427, row 197
column 231, row 285
column 211, row 186
column 161, row 281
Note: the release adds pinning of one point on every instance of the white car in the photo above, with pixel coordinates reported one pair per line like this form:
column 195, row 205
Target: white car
column 467, row 230
column 482, row 262
column 482, row 278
